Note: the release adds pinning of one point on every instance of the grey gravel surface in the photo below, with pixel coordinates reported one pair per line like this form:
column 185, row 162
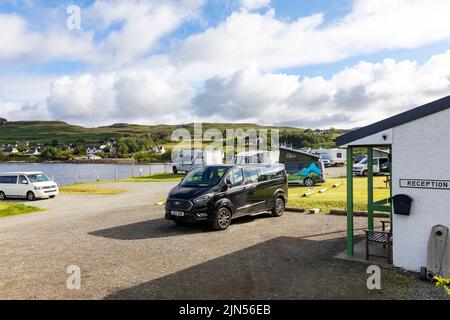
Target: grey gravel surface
column 126, row 250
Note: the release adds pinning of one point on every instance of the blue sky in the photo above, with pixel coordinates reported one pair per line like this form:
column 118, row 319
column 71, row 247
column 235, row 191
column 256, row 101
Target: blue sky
column 306, row 63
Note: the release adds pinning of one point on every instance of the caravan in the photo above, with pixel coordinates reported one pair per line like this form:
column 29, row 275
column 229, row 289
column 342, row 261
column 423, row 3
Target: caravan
column 336, row 157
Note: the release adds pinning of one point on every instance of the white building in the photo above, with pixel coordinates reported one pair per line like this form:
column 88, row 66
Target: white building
column 420, row 144
column 93, row 150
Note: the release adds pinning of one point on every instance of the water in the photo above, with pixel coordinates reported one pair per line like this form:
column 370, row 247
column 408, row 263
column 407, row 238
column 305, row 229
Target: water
column 69, row 173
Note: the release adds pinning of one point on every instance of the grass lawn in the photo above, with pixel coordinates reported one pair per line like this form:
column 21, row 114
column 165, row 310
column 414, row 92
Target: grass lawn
column 89, row 189
column 11, row 209
column 158, row 177
column 336, row 198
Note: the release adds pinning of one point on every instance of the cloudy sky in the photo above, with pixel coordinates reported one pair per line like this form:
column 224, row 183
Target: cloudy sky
column 301, row 63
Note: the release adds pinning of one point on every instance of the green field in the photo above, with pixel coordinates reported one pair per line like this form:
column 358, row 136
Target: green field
column 332, row 198
column 8, row 209
column 336, row 198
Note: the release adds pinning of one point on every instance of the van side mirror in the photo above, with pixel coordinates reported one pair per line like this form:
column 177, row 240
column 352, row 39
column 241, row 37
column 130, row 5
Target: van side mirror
column 24, row 182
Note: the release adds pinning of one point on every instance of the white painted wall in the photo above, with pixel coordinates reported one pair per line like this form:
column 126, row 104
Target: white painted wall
column 421, row 150
column 374, row 139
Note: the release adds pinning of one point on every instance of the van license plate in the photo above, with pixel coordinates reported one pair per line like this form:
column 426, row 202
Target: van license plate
column 177, row 213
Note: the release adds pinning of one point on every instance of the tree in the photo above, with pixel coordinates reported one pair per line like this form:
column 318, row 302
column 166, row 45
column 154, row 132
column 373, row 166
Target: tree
column 3, row 121
column 54, row 143
column 50, row 153
column 121, row 147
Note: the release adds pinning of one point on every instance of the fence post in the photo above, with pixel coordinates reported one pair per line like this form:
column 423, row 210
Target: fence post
column 98, row 176
column 115, row 174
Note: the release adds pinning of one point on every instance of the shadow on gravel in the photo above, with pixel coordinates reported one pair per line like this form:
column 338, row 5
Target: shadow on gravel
column 281, row 268
column 160, row 228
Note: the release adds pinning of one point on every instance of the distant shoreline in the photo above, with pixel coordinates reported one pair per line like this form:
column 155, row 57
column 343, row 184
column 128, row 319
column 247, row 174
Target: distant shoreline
column 80, row 161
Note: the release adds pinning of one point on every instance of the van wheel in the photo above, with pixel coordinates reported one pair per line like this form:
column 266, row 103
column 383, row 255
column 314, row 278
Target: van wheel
column 278, row 208
column 174, row 170
column 308, row 182
column 51, row 197
column 2, row 195
column 222, row 219
column 31, row 196
column 364, row 173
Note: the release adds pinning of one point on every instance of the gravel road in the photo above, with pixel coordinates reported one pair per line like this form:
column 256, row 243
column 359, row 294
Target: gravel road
column 126, row 250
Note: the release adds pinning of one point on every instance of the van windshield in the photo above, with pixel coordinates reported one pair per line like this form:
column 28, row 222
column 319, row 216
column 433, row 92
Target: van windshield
column 38, row 178
column 204, row 177
column 363, row 161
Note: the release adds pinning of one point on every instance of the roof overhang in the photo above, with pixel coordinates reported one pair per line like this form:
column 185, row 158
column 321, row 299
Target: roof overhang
column 352, row 137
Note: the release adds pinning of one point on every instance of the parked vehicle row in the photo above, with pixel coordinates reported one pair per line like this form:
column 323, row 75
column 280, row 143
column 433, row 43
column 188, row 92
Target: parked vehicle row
column 220, row 193
column 29, row 185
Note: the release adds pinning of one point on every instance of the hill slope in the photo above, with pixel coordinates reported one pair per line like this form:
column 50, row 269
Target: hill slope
column 47, row 131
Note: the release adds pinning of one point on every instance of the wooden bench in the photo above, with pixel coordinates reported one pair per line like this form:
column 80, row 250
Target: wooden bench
column 383, row 237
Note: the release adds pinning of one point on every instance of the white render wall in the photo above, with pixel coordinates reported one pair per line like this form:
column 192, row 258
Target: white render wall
column 420, row 150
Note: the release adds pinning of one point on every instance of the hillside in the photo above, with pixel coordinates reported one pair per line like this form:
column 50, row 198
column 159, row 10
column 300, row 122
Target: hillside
column 46, row 131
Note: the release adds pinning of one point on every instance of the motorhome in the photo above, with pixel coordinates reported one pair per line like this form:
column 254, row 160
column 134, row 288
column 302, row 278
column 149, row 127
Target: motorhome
column 186, row 160
column 29, row 185
column 337, row 157
column 255, row 157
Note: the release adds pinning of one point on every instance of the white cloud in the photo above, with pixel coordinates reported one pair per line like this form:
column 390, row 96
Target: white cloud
column 135, row 96
column 14, row 38
column 356, row 96
column 254, row 4
column 372, row 25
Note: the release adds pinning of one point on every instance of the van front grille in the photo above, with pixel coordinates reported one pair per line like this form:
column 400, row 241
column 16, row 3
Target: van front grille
column 181, row 205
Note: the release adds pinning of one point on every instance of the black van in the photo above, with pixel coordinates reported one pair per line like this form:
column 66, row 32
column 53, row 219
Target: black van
column 221, row 193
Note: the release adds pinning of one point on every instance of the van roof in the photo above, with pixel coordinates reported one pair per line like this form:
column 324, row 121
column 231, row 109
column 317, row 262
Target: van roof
column 21, row 172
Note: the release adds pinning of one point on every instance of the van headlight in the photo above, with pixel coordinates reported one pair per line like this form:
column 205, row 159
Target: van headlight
column 37, row 188
column 204, row 198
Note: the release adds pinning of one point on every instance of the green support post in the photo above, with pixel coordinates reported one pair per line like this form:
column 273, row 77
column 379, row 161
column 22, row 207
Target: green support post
column 370, row 188
column 350, row 201
column 390, row 182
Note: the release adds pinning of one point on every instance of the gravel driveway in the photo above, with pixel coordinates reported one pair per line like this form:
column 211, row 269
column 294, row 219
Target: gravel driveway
column 125, row 249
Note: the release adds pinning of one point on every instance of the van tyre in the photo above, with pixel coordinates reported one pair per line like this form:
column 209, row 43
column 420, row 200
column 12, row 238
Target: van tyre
column 31, row 196
column 364, row 173
column 2, row 195
column 222, row 219
column 308, row 182
column 278, row 207
column 51, row 197
column 174, row 170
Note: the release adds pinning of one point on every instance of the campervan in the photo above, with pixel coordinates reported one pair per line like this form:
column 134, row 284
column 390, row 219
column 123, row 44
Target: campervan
column 379, row 166
column 29, row 185
column 186, row 160
column 257, row 157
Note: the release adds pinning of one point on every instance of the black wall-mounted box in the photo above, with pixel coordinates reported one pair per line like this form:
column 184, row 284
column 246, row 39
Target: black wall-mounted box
column 402, row 204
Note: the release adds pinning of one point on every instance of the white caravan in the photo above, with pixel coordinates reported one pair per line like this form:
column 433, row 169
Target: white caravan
column 30, row 185
column 255, row 157
column 337, row 157
column 187, row 160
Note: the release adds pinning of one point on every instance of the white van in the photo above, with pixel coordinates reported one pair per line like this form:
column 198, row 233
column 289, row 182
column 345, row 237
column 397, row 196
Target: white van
column 187, row 160
column 360, row 169
column 29, row 185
